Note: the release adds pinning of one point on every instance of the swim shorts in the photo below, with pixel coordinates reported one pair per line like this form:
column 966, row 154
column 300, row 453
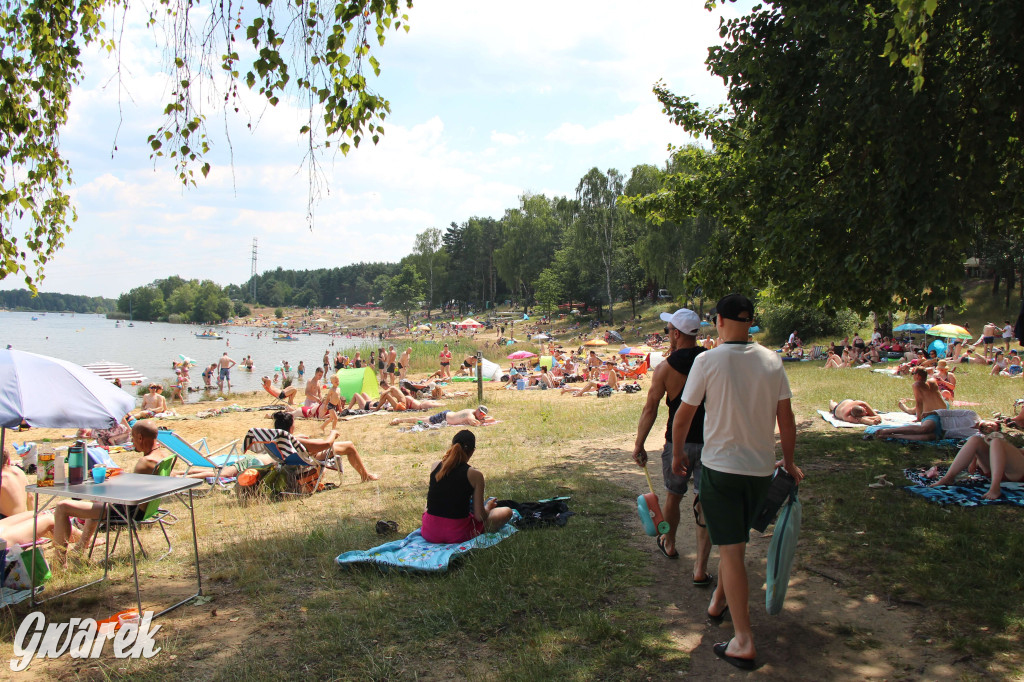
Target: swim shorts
column 938, row 425
column 439, row 418
column 731, row 502
column 280, row 396
column 225, row 373
column 988, row 340
column 391, row 368
column 677, row 484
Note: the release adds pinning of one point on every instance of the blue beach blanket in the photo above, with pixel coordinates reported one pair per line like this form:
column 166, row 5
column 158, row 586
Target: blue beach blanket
column 967, row 492
column 952, row 443
column 413, row 553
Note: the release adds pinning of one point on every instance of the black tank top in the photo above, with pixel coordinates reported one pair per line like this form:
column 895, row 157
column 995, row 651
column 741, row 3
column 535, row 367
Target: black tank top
column 449, row 497
column 682, row 361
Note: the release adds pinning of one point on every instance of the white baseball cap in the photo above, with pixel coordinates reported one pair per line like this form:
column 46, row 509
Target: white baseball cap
column 684, row 319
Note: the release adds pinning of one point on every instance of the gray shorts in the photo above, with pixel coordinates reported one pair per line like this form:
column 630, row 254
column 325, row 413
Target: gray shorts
column 675, row 484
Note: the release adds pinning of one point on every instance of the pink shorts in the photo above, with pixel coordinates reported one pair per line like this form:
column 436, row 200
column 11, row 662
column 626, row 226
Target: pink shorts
column 444, row 531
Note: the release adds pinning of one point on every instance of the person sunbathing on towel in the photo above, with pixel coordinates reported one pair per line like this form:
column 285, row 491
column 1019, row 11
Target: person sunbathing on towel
column 927, row 397
column 834, row 361
column 995, row 456
column 467, row 417
column 323, row 448
column 613, row 382
column 152, row 403
column 284, row 393
column 456, row 510
column 854, row 411
column 938, row 425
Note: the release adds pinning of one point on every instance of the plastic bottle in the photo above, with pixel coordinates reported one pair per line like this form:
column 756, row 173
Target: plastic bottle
column 59, row 472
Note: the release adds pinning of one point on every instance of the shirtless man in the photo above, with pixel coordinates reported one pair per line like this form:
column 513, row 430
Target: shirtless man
column 285, row 393
column 13, row 498
column 855, row 412
column 593, row 366
column 152, row 403
column 390, row 365
column 144, row 440
column 313, row 388
column 467, row 417
column 403, row 363
column 927, row 397
column 988, row 338
column 994, row 455
column 224, row 366
column 323, row 448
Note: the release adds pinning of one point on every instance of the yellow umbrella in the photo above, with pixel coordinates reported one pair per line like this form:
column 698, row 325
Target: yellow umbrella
column 949, row 331
column 596, row 342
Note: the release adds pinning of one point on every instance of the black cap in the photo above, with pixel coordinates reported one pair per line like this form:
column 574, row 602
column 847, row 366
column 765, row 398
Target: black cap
column 736, row 307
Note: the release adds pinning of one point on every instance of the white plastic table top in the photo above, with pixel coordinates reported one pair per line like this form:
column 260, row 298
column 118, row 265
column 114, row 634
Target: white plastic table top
column 122, row 489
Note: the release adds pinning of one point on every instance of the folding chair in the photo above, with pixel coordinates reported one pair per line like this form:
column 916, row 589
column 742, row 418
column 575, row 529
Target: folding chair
column 286, row 452
column 152, row 513
column 193, row 455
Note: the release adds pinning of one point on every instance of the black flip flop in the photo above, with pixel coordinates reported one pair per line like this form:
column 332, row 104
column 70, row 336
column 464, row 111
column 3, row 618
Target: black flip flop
column 661, row 546
column 741, row 663
column 708, row 581
column 720, row 617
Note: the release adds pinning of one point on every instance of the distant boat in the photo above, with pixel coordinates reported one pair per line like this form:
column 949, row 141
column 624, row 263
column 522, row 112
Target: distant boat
column 285, row 337
column 209, row 334
column 34, row 318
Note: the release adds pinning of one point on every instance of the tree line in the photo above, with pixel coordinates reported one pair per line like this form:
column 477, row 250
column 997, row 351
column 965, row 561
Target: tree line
column 589, row 248
column 23, row 299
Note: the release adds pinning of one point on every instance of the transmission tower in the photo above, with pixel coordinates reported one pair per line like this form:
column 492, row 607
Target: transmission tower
column 252, row 275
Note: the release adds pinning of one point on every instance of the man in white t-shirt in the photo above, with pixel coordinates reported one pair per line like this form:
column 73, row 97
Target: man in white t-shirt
column 746, row 393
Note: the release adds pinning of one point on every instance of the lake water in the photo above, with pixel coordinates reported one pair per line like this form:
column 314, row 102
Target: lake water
column 151, row 347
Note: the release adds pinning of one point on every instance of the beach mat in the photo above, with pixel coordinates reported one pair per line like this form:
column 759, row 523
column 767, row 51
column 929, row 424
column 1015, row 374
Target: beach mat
column 888, row 419
column 413, row 553
column 967, row 492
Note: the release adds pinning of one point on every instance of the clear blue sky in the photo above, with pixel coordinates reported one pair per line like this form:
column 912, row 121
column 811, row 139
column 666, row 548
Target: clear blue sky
column 489, row 100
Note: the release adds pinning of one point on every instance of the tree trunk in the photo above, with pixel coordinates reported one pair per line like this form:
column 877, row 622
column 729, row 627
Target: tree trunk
column 995, row 283
column 1009, row 285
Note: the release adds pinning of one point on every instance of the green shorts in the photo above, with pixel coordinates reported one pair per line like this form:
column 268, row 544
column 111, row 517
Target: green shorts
column 939, row 433
column 730, row 503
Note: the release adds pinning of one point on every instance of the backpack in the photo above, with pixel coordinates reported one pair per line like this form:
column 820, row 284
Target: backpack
column 604, row 392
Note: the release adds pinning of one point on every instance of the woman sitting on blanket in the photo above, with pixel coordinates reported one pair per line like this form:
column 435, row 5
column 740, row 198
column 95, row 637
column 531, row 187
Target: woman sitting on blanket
column 455, row 510
column 994, row 455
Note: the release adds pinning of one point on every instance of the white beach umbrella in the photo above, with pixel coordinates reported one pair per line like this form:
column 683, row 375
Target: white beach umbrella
column 114, row 370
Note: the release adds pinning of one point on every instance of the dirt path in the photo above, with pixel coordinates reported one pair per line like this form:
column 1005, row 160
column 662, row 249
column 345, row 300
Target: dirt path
column 828, row 630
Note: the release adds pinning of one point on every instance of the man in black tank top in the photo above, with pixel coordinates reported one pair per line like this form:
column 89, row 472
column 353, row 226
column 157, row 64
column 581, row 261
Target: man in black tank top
column 668, row 380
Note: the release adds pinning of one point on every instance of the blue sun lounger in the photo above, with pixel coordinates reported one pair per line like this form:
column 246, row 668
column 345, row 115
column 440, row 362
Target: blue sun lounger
column 198, row 454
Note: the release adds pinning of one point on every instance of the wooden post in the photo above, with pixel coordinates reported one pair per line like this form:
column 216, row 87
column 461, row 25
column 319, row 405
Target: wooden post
column 479, row 376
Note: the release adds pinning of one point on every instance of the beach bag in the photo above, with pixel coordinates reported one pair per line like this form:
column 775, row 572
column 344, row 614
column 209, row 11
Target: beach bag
column 253, row 481
column 17, row 575
column 604, row 392
column 782, row 486
column 781, row 552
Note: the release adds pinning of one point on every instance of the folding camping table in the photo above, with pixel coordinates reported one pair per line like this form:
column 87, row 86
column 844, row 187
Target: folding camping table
column 120, row 494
